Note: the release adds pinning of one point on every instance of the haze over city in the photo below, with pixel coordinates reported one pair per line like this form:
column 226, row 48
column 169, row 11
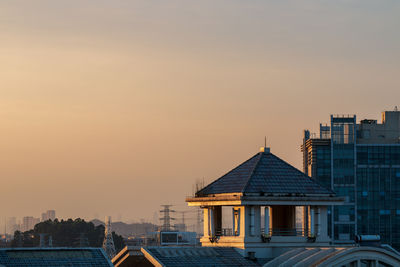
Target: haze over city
column 116, row 107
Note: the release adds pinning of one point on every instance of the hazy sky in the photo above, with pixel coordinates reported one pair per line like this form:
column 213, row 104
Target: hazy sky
column 116, row 107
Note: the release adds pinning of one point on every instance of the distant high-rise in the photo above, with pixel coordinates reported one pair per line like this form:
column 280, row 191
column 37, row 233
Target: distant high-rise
column 11, row 225
column 28, row 223
column 49, row 215
column 361, row 162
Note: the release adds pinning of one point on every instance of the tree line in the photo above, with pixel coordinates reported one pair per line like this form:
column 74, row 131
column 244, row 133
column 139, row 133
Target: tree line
column 65, row 233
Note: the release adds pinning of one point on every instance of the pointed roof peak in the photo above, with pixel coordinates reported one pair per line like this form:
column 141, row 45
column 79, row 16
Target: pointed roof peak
column 265, row 173
column 265, row 150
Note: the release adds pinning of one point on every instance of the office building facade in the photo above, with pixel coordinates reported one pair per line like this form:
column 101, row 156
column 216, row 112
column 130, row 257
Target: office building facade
column 360, row 161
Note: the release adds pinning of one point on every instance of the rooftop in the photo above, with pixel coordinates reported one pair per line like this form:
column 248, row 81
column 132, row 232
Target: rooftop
column 196, row 256
column 265, row 174
column 53, row 257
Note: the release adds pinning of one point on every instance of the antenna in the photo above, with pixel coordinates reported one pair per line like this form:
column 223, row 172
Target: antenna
column 265, row 141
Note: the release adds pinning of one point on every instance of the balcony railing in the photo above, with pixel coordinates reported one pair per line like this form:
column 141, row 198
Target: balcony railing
column 271, row 232
column 224, row 232
column 286, row 232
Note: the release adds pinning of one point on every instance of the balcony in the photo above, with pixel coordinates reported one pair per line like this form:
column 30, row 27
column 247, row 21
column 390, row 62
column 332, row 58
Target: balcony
column 271, row 232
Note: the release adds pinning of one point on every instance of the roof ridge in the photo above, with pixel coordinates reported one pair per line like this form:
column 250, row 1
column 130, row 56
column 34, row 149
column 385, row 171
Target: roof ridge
column 225, row 175
column 252, row 171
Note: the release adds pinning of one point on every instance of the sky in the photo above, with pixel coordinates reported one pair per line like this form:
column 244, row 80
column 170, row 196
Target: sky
column 116, row 107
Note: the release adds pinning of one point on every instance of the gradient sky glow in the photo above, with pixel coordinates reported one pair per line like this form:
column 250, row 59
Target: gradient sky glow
column 116, row 107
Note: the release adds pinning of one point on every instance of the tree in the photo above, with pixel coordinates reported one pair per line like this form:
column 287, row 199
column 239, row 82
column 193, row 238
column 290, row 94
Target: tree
column 66, row 233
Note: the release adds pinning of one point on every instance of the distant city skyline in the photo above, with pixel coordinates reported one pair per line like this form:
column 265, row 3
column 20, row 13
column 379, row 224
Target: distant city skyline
column 27, row 222
column 118, row 107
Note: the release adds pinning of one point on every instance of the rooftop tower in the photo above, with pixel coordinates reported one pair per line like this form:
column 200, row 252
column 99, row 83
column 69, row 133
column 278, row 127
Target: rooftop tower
column 264, row 194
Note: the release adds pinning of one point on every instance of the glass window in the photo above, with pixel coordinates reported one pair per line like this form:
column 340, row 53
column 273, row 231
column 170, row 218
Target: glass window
column 384, row 212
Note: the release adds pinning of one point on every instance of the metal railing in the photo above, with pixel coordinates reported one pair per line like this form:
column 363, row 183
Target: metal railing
column 224, row 232
column 271, row 232
column 285, row 232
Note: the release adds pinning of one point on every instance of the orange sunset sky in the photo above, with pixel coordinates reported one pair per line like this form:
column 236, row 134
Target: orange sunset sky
column 116, row 107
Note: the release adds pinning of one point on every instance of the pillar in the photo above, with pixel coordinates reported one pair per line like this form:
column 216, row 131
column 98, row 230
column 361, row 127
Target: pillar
column 211, row 230
column 305, row 223
column 236, row 221
column 312, row 221
column 266, row 220
column 323, row 223
column 206, row 222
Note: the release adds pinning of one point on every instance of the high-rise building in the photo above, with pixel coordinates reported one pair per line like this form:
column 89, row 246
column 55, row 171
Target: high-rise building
column 360, row 161
column 11, row 225
column 28, row 223
column 49, row 215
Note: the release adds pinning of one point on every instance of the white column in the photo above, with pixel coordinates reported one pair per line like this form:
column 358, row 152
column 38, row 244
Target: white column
column 312, row 221
column 266, row 220
column 236, row 221
column 206, row 222
column 211, row 220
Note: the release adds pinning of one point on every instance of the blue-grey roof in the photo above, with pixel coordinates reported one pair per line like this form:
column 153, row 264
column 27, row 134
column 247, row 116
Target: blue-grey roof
column 198, row 256
column 265, row 173
column 32, row 257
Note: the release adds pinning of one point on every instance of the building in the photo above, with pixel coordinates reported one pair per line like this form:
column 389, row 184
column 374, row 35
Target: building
column 11, row 225
column 28, row 223
column 263, row 197
column 49, row 215
column 359, row 161
column 21, row 257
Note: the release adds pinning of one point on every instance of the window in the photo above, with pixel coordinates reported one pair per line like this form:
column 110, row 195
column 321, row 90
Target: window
column 384, row 212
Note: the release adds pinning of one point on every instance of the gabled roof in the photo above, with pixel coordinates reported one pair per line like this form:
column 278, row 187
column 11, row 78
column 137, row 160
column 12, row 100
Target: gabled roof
column 265, row 173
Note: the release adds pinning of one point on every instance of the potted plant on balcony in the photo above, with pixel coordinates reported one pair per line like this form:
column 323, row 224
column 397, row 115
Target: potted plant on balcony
column 311, row 238
column 214, row 239
column 265, row 238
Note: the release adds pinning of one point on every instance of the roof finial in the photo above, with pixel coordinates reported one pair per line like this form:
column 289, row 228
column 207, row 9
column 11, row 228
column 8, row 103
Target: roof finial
column 265, row 149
